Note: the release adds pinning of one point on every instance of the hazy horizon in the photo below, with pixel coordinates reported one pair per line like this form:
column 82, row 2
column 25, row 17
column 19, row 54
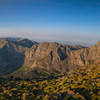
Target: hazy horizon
column 51, row 20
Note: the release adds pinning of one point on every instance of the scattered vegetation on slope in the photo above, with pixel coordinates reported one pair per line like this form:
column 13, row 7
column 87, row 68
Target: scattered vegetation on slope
column 83, row 84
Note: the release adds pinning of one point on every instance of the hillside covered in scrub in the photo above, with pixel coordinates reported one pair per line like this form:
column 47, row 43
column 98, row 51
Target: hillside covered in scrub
column 83, row 84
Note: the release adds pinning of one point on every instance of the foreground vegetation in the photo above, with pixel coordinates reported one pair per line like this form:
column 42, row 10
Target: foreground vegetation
column 83, row 84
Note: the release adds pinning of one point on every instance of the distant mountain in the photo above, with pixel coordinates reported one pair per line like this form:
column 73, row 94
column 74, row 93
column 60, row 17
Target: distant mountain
column 28, row 59
column 21, row 41
column 25, row 42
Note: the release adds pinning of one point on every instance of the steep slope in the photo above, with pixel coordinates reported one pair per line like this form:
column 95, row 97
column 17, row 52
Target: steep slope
column 46, row 58
column 79, row 57
column 86, row 56
column 42, row 59
column 55, row 57
column 94, row 54
column 11, row 56
column 28, row 59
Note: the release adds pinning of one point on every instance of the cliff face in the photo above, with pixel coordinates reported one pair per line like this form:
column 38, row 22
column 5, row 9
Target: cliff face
column 56, row 57
column 47, row 56
column 94, row 54
column 78, row 57
column 27, row 58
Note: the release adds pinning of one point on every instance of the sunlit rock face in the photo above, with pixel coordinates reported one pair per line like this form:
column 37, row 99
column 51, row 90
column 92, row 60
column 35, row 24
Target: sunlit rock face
column 31, row 58
column 94, row 54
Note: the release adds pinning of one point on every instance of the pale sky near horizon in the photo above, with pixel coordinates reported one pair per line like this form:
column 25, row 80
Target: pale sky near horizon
column 58, row 20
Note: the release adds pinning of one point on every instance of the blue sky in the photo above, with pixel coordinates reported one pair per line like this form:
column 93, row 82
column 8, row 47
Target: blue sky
column 61, row 20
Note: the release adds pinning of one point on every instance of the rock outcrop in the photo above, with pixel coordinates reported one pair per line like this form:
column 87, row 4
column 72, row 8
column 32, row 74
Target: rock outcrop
column 28, row 59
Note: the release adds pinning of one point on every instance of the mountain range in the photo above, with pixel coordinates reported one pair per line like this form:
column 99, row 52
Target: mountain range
column 29, row 59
